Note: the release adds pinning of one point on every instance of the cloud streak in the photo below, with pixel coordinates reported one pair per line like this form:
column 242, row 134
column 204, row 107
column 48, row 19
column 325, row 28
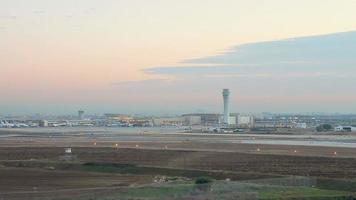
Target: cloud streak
column 331, row 48
column 326, row 55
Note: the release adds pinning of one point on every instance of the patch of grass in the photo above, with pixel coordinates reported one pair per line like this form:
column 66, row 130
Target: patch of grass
column 298, row 193
column 144, row 170
column 110, row 168
column 160, row 192
column 336, row 184
column 223, row 190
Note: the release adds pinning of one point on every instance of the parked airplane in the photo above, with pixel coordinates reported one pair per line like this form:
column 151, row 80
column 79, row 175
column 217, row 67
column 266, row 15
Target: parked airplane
column 6, row 124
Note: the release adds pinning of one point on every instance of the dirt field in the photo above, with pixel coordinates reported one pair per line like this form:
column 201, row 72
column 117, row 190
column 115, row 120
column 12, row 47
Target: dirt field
column 28, row 183
column 151, row 155
column 230, row 161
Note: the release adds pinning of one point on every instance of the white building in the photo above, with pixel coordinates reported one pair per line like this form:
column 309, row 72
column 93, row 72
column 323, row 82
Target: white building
column 191, row 120
column 169, row 121
column 232, row 120
column 43, row 123
column 345, row 129
column 205, row 119
column 245, row 121
column 301, row 125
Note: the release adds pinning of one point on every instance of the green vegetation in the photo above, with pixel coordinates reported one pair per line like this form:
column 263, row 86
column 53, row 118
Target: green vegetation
column 145, row 170
column 203, row 180
column 233, row 190
column 336, row 184
column 160, row 192
column 298, row 193
column 324, row 128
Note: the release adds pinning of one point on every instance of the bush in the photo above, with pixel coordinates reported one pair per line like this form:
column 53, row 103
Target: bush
column 203, row 180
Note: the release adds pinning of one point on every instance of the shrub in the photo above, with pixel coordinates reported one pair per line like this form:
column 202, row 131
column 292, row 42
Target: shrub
column 203, row 180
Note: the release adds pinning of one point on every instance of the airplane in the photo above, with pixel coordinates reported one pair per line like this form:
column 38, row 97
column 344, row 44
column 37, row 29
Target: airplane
column 5, row 124
column 20, row 125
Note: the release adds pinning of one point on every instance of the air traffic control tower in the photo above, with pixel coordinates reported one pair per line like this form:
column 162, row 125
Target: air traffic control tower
column 226, row 96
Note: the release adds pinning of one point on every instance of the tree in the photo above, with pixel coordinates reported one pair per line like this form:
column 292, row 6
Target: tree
column 324, row 128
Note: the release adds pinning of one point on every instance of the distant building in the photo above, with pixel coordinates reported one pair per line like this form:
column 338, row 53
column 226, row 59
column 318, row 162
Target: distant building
column 206, row 119
column 232, row 121
column 43, row 123
column 191, row 120
column 169, row 121
column 81, row 114
column 339, row 128
column 142, row 122
column 345, row 129
column 301, row 125
column 118, row 117
column 245, row 121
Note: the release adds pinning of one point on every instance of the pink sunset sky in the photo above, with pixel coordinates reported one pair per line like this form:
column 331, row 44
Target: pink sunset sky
column 113, row 55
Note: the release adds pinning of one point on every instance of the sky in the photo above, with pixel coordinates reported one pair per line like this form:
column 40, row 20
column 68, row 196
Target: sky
column 175, row 56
